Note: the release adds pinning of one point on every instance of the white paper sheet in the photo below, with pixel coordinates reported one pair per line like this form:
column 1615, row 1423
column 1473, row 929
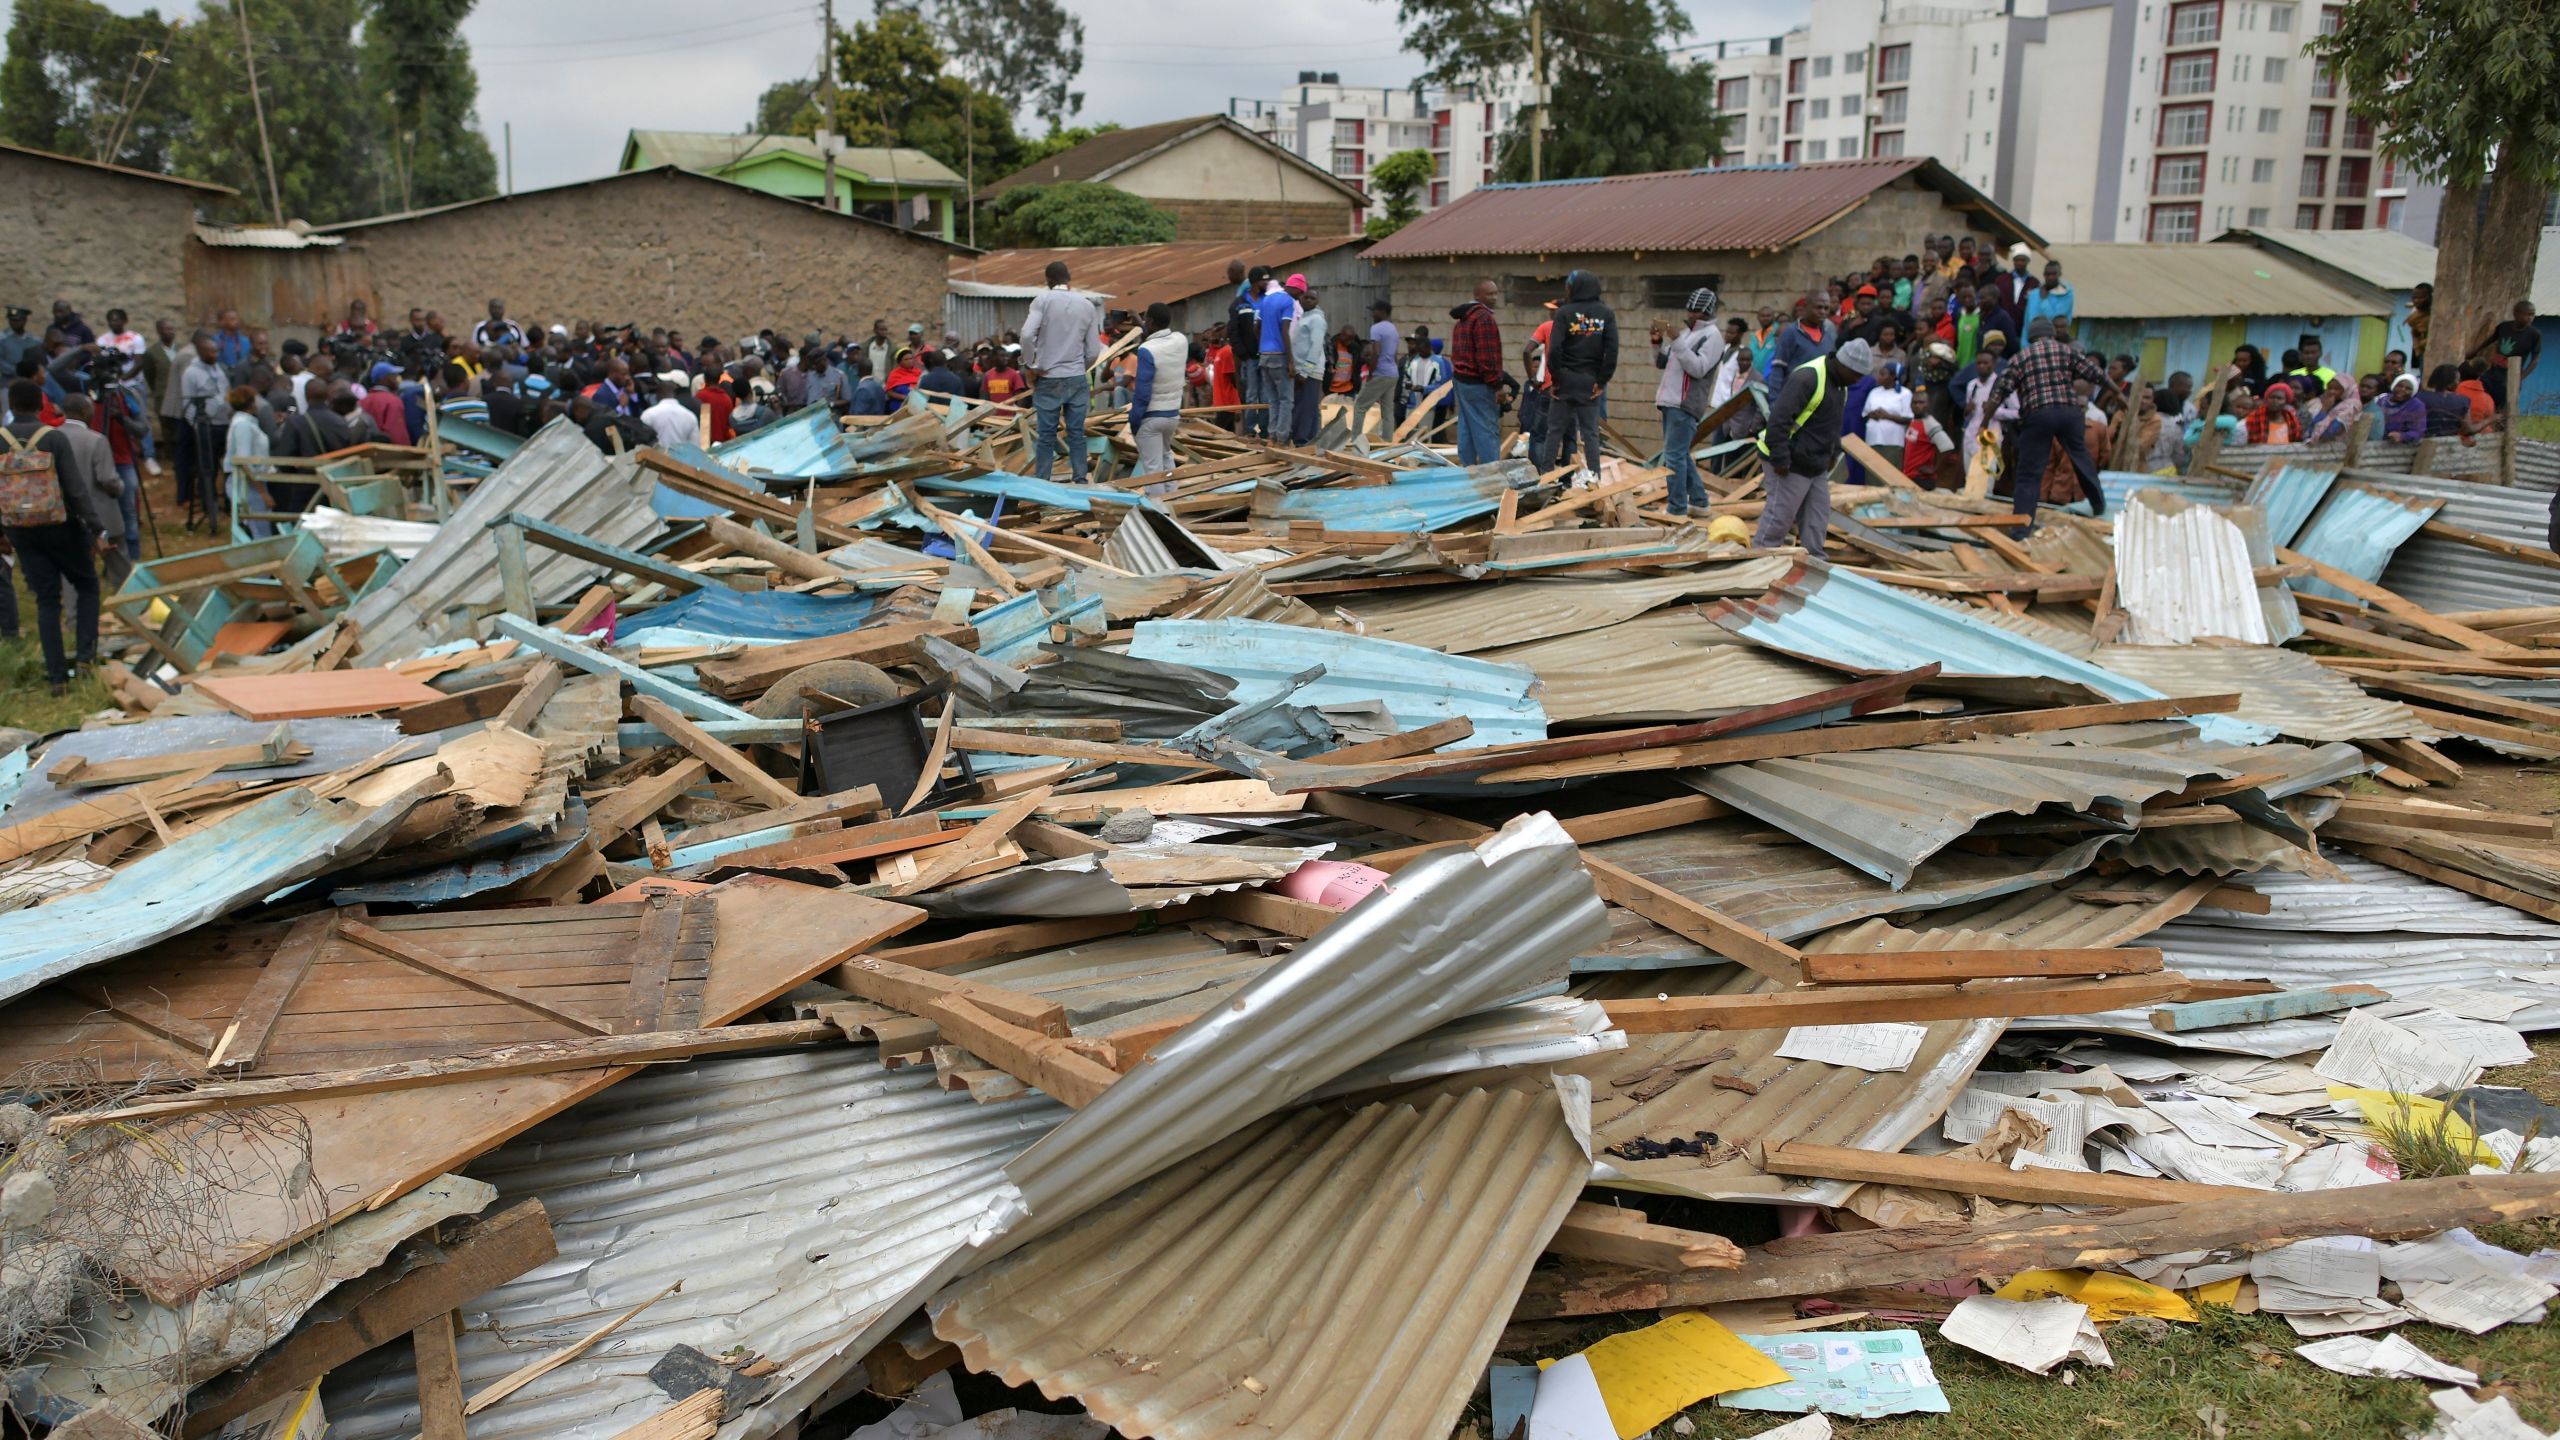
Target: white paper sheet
column 1881, row 1048
column 2217, row 1123
column 2344, row 1267
column 2476, row 1004
column 1816, row 1426
column 2034, row 1335
column 1975, row 1113
column 2365, row 1315
column 2468, row 1419
column 2480, row 1304
column 2336, row 1167
column 2181, row 1158
column 2484, row 1042
column 2452, row 1258
column 2376, row 1054
column 2388, row 1356
column 1569, row 1406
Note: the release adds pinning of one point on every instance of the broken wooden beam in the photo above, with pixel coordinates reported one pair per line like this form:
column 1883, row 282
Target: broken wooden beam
column 2260, row 1009
column 1958, row 1176
column 1618, row 1236
column 1898, row 967
column 1673, row 1014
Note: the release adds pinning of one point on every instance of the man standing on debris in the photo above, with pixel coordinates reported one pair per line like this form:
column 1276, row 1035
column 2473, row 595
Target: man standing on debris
column 56, row 536
column 1157, row 400
column 2049, row 412
column 1061, row 340
column 1244, row 347
column 1801, row 444
column 1475, row 370
column 1688, row 362
column 1581, row 356
column 1274, row 312
column 1309, row 334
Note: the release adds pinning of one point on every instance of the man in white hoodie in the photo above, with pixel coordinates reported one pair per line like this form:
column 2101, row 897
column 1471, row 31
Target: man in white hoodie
column 1157, row 393
column 1689, row 362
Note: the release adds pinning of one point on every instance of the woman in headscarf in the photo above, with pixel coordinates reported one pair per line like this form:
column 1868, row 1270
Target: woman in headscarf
column 2404, row 417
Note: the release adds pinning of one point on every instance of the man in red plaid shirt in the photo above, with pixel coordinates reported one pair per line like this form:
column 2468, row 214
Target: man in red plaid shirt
column 2047, row 412
column 1475, row 367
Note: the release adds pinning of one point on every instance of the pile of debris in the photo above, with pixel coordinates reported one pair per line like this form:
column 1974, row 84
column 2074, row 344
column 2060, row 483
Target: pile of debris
column 701, row 941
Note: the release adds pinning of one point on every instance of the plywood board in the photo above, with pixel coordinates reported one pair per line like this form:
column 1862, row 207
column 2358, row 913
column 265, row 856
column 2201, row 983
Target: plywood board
column 315, row 693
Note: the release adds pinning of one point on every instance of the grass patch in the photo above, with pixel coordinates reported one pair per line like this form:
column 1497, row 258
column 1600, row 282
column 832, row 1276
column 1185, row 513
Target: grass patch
column 2423, row 1149
column 2538, row 427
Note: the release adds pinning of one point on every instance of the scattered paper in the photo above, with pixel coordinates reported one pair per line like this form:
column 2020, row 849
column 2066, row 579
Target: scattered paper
column 2216, row 1123
column 1811, row 1427
column 1974, row 1114
column 2034, row 1335
column 2360, row 1315
column 2476, row 1004
column 1647, row 1376
column 2468, row 1419
column 2107, row 1296
column 1569, row 1406
column 933, row 1407
column 2479, row 1305
column 2181, row 1158
column 2452, row 1258
column 2376, row 1054
column 2483, row 1042
column 2389, row 1357
column 1862, row 1375
column 1880, row 1048
column 2343, row 1267
column 2339, row 1167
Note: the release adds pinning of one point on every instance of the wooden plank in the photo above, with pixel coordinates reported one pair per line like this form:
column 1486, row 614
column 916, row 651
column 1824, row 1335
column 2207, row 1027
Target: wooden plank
column 914, row 991
column 2408, row 612
column 314, row 694
column 540, row 684
column 1420, row 741
column 832, row 847
column 596, row 662
column 2462, row 880
column 1615, row 1236
column 1889, row 1002
column 2426, row 815
column 2461, row 697
column 1981, row 1177
column 244, row 1042
column 439, row 1378
column 949, row 860
column 843, row 804
column 2418, row 758
column 1907, row 966
column 2479, row 729
column 1823, row 1264
column 788, row 559
column 719, row 756
column 1202, row 797
column 1043, row 1062
column 696, row 1417
column 526, row 1374
column 1003, row 940
column 729, row 495
column 418, row 956
column 756, row 669
column 1708, row 926
column 1002, row 742
column 79, row 773
column 461, row 708
column 2259, row 1009
column 153, row 1015
column 653, row 963
column 480, row 1259
column 1412, row 822
column 1302, row 918
column 618, row 814
column 1057, row 841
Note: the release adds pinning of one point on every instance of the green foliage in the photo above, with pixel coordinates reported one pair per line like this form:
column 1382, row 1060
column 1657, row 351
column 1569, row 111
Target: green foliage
column 2450, row 83
column 787, row 107
column 74, row 68
column 891, row 89
column 1397, row 182
column 319, row 119
column 415, row 59
column 1466, row 40
column 1024, row 52
column 1060, row 140
column 1076, row 213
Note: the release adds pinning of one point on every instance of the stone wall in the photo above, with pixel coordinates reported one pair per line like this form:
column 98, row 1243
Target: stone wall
column 1257, row 221
column 1891, row 222
column 693, row 254
column 97, row 238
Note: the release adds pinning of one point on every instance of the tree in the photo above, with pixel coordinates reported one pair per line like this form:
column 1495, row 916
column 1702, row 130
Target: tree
column 82, row 80
column 1620, row 104
column 320, row 120
column 787, row 107
column 1397, row 181
column 1077, row 212
column 891, row 89
column 1024, row 52
column 419, row 67
column 2462, row 91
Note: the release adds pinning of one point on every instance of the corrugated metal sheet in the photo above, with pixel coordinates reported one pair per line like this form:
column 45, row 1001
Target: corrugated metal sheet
column 1465, row 619
column 759, row 615
column 2384, row 259
column 2537, row 461
column 2120, row 486
column 263, row 237
column 1419, row 687
column 1024, row 489
column 558, row 476
column 1670, row 665
column 2229, row 847
column 1146, row 541
column 2356, row 530
column 2376, row 898
column 2141, row 281
column 1456, row 932
column 2183, row 574
column 1836, row 618
column 250, row 855
column 1135, row 276
column 807, row 445
column 335, row 744
column 2288, row 494
column 1249, row 597
column 1416, row 501
column 2285, row 690
column 2449, row 575
column 798, row 1197
column 1886, row 811
column 1294, row 1280
column 1734, row 207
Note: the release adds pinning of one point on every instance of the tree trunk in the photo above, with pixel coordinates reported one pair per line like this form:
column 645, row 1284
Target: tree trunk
column 2487, row 237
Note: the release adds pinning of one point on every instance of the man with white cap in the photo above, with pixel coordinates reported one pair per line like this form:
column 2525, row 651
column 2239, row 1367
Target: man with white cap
column 1800, row 445
column 669, row 419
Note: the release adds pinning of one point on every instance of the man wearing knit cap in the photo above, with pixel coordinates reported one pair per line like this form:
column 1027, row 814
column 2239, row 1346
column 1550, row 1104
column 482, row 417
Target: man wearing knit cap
column 1802, row 443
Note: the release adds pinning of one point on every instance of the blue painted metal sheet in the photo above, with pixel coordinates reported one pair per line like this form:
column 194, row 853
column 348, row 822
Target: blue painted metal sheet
column 335, row 744
column 465, row 878
column 674, row 504
column 2119, row 485
column 760, row 615
column 808, row 445
column 489, row 440
column 13, row 776
column 574, row 652
column 1079, row 498
column 2357, row 531
column 1418, row 686
column 1833, row 617
column 2288, row 495
column 1014, row 630
column 1417, row 500
column 272, row 844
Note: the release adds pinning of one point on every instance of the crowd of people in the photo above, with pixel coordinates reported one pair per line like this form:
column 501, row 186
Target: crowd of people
column 1955, row 364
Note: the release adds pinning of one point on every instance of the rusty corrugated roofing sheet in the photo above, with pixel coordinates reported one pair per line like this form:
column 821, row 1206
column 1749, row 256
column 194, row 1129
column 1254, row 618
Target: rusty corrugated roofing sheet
column 1318, row 1275
column 2284, row 690
column 1465, row 619
column 1136, row 276
column 1669, row 665
column 1737, row 207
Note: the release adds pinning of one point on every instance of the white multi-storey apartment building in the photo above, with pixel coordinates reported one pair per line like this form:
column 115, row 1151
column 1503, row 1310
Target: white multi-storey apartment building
column 1348, row 129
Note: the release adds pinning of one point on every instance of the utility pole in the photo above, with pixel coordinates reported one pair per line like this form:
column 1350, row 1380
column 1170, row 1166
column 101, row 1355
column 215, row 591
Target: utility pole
column 1538, row 95
column 827, row 101
column 249, row 58
column 509, row 126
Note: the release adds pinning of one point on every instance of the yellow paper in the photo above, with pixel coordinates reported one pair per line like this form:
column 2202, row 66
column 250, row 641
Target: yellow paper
column 1649, row 1375
column 2109, row 1296
column 2415, row 1112
column 2220, row 1292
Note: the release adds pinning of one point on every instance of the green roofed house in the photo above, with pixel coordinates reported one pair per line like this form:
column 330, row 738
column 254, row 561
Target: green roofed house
column 902, row 186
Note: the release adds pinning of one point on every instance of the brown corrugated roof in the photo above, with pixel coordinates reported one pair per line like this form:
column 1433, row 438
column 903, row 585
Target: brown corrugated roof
column 1112, row 151
column 1736, row 207
column 1135, row 276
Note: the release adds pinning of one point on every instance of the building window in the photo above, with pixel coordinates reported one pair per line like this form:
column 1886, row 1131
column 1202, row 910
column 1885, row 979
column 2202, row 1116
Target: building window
column 2280, row 20
column 1893, row 65
column 1795, row 151
column 2356, row 133
column 1795, row 77
column 1849, row 104
column 1795, row 116
column 2185, row 126
column 1888, row 145
column 1849, row 148
column 2387, row 215
column 1670, row 292
column 2240, row 72
column 2188, row 74
column 2273, row 71
column 1734, row 93
column 1821, row 67
column 1822, row 109
column 2324, row 81
column 1854, row 63
column 2315, row 177
column 2174, row 224
column 1439, row 193
column 2306, row 217
column 2177, row 175
column 2270, row 121
column 1348, row 163
column 2230, row 168
column 1817, row 150
column 2257, row 216
column 2330, row 16
column 2355, row 179
column 2262, row 172
column 2198, row 22
column 1893, row 107
column 1346, row 132
column 2347, row 217
column 2316, row 133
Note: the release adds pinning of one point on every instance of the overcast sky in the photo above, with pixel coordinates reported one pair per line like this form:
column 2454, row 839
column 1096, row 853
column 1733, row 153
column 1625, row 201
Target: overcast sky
column 572, row 87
